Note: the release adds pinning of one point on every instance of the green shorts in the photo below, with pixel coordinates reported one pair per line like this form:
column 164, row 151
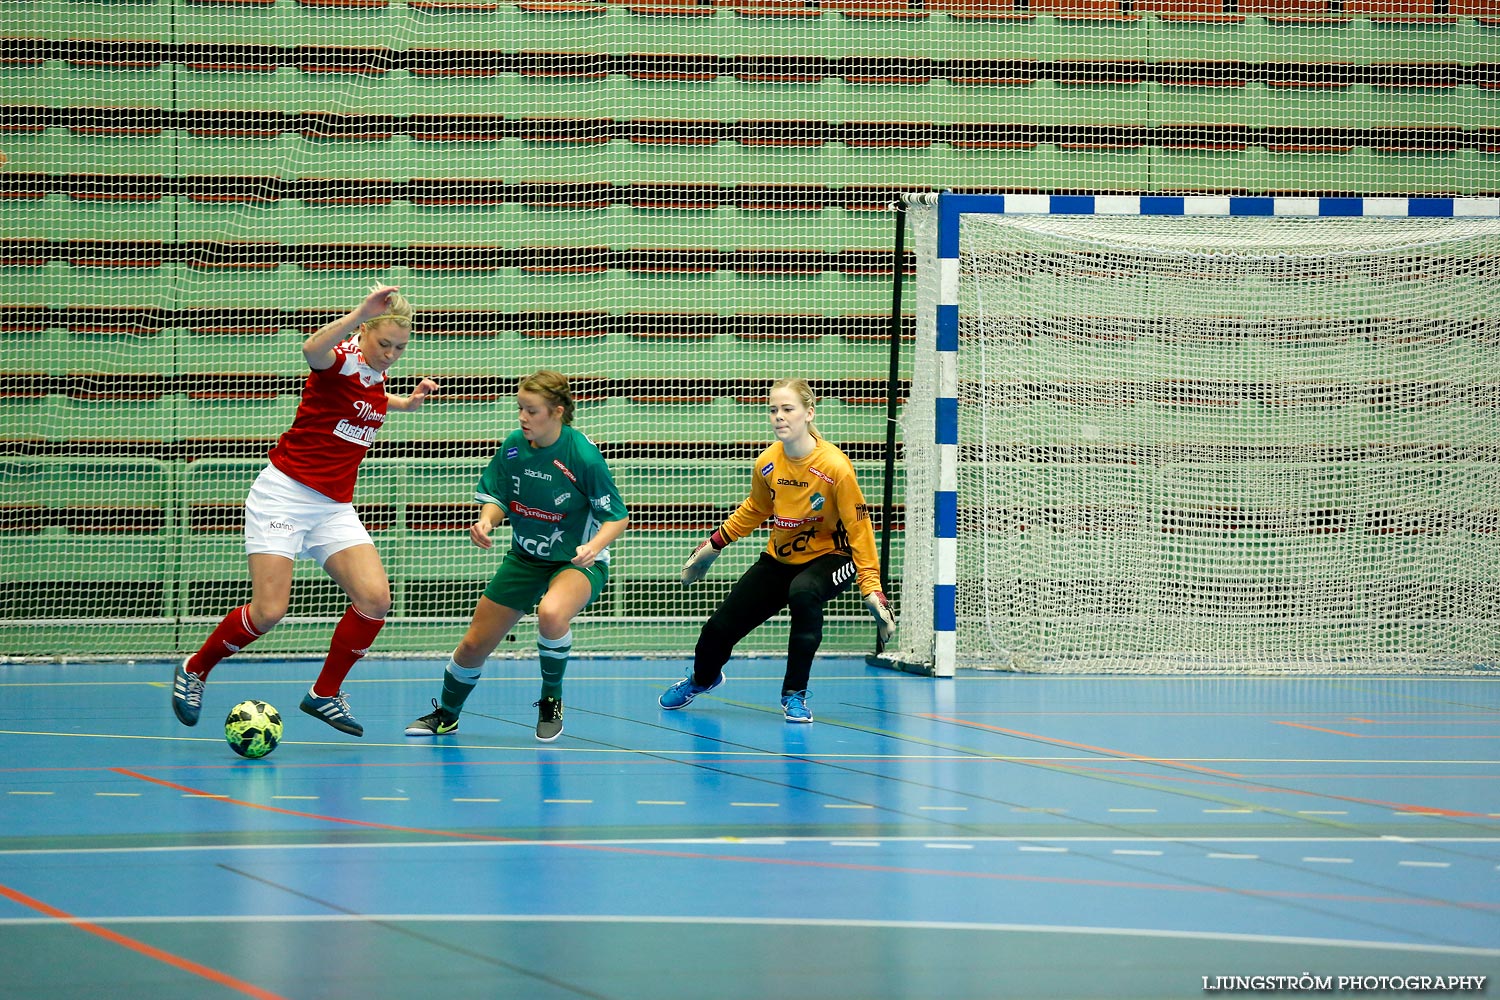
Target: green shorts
column 521, row 580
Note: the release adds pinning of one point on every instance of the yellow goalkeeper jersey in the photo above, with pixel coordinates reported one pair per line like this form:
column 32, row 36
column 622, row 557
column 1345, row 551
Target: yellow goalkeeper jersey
column 815, row 507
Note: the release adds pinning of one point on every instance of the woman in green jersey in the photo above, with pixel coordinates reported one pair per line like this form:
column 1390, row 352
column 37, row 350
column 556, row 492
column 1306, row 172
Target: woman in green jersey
column 552, row 484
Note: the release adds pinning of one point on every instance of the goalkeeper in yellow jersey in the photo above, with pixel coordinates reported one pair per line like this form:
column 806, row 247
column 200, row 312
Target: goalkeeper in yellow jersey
column 821, row 540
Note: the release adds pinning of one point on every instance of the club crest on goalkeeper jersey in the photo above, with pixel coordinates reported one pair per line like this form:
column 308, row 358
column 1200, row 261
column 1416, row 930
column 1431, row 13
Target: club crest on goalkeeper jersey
column 814, row 506
column 555, row 497
column 342, row 408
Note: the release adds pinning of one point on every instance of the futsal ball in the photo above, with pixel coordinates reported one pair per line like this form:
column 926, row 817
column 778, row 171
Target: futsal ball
column 253, row 728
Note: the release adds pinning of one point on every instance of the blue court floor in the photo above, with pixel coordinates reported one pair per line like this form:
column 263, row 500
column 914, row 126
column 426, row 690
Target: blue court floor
column 987, row 837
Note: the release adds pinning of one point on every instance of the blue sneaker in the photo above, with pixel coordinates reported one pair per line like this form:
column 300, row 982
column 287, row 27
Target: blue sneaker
column 187, row 694
column 681, row 694
column 794, row 707
column 334, row 711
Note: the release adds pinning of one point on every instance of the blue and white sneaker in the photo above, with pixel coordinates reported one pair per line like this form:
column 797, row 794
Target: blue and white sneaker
column 681, row 694
column 794, row 707
column 187, row 694
column 334, row 711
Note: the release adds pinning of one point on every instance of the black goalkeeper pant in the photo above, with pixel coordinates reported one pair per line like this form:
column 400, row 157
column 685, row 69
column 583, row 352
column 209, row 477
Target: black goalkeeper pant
column 766, row 588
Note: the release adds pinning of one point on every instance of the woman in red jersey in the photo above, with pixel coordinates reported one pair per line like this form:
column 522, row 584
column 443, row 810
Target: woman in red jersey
column 302, row 506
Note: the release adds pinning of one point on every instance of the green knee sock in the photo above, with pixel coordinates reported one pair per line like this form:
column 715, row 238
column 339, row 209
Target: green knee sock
column 458, row 683
column 554, row 657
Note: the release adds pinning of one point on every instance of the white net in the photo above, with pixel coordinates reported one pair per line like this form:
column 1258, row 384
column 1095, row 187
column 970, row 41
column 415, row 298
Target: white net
column 1244, row 443
column 195, row 187
column 672, row 203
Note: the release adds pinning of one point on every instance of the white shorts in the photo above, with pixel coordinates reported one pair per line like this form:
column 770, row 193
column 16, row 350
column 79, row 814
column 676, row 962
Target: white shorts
column 285, row 518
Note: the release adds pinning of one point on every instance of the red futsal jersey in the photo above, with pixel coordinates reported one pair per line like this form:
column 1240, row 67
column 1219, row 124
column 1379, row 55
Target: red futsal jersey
column 342, row 407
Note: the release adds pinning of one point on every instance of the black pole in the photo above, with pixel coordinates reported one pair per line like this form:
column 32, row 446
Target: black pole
column 893, row 381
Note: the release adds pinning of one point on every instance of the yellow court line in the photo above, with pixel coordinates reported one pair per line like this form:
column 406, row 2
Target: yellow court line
column 958, row 754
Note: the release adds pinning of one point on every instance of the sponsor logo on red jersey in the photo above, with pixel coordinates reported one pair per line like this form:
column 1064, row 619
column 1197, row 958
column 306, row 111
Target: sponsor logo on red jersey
column 363, row 435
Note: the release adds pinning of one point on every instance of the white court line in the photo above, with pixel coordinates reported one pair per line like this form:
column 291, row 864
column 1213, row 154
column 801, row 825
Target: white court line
column 938, row 925
column 1028, row 842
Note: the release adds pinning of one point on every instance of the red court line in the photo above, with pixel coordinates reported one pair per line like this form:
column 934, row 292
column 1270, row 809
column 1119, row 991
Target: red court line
column 1382, row 777
column 836, row 866
column 282, row 765
column 1245, row 784
column 1427, row 722
column 1237, row 784
column 1135, row 714
column 1383, row 736
column 1052, row 879
column 774, row 758
column 1249, row 782
column 447, row 834
column 1056, row 741
column 140, row 947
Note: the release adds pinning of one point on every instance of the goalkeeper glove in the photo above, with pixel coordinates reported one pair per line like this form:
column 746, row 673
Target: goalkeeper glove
column 880, row 610
column 702, row 558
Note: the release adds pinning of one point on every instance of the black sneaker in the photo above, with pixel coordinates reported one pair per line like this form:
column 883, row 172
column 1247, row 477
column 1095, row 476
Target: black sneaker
column 438, row 722
column 549, row 719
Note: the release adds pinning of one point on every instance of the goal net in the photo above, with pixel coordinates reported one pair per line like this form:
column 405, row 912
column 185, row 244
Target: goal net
column 1260, row 439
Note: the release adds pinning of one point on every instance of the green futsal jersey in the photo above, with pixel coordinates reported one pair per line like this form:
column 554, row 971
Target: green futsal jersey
column 555, row 497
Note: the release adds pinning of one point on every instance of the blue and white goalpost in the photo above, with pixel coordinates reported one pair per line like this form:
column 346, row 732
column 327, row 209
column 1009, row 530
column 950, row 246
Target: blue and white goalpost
column 1166, row 433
